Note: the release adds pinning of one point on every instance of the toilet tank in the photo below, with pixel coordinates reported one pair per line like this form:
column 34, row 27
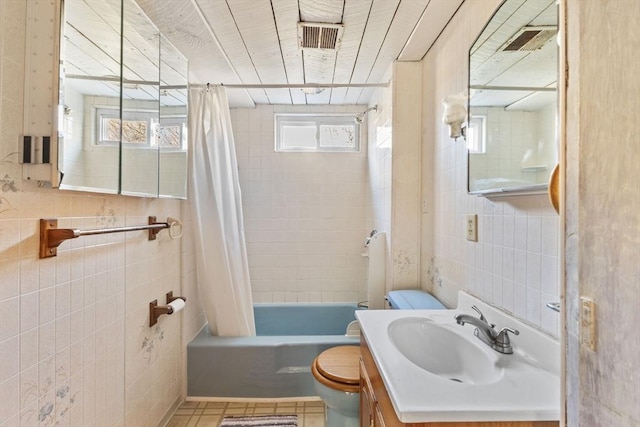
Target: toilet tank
column 413, row 299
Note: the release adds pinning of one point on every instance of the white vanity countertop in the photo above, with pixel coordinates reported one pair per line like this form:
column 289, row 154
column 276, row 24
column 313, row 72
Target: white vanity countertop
column 527, row 390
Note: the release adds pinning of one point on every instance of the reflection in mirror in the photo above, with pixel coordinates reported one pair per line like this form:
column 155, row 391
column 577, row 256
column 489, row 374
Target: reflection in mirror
column 147, row 155
column 511, row 132
column 140, row 103
column 172, row 141
column 90, row 86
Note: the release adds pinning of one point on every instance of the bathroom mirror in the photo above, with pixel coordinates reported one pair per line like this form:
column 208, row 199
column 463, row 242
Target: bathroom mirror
column 113, row 108
column 88, row 159
column 511, row 128
column 140, row 101
column 173, row 121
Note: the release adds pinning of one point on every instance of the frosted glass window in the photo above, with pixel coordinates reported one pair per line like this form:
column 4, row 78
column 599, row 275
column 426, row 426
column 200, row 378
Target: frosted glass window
column 140, row 128
column 133, row 131
column 315, row 133
column 337, row 136
column 298, row 135
column 171, row 133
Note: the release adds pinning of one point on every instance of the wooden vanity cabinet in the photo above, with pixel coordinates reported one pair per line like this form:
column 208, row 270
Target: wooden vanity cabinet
column 376, row 409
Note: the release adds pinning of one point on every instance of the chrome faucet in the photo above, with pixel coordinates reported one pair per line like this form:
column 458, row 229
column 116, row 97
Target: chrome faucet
column 499, row 341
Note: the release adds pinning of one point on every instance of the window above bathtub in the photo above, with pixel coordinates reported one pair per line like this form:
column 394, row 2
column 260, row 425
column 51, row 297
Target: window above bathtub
column 140, row 129
column 316, row 133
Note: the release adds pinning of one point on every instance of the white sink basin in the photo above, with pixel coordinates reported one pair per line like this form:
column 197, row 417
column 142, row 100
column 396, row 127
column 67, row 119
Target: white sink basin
column 441, row 351
column 423, row 354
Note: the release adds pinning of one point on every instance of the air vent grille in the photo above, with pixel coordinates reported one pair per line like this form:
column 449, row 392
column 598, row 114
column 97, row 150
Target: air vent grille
column 529, row 38
column 316, row 35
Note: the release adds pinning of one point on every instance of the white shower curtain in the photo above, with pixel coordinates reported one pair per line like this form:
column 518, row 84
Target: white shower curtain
column 216, row 214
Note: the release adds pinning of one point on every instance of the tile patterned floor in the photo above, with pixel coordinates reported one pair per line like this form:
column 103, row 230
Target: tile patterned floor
column 210, row 414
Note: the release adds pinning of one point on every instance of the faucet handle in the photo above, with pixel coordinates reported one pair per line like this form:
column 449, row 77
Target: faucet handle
column 484, row 319
column 506, row 329
column 503, row 343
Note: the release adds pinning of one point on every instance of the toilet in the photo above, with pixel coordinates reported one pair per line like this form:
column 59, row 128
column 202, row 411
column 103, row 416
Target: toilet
column 336, row 371
column 336, row 380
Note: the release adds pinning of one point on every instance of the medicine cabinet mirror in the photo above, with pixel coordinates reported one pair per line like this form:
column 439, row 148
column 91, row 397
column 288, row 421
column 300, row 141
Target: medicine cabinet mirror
column 513, row 72
column 123, row 103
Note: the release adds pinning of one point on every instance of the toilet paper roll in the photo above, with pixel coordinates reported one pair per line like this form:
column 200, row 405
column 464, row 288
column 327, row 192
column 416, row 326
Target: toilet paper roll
column 176, row 305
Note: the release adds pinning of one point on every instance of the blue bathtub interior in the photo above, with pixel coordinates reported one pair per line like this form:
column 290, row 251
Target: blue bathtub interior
column 303, row 319
column 275, row 363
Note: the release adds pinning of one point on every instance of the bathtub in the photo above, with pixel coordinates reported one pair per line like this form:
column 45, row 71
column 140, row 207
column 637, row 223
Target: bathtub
column 276, row 362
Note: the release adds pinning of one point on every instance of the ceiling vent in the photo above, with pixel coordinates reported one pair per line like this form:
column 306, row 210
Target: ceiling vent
column 319, row 35
column 530, row 38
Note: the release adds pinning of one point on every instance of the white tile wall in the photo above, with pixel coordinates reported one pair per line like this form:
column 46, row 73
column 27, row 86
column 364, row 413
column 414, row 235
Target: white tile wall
column 305, row 213
column 510, row 135
column 379, row 161
column 406, row 173
column 69, row 356
column 514, row 265
column 75, row 346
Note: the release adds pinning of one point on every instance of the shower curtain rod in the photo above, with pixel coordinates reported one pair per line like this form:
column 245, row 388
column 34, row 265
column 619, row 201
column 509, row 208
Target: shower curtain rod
column 284, row 86
column 230, row 86
column 515, row 88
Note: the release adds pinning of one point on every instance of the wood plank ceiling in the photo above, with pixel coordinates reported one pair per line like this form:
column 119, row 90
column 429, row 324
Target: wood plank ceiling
column 494, row 67
column 256, row 42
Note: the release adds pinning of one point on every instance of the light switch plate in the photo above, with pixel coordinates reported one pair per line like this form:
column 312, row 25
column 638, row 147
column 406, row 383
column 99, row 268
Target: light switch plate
column 588, row 322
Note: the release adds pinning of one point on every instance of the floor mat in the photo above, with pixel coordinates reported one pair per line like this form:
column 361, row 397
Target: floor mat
column 260, row 421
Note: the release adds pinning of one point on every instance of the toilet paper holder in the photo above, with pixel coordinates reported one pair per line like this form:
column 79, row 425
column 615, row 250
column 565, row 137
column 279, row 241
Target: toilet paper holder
column 156, row 310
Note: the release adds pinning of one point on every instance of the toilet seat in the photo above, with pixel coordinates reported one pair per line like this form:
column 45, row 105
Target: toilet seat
column 338, row 368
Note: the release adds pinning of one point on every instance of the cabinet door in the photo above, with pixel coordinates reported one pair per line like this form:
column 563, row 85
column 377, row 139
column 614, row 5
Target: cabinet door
column 378, row 418
column 366, row 399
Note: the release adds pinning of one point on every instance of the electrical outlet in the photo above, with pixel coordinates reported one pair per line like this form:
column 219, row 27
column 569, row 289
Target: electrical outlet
column 472, row 228
column 588, row 323
column 425, row 207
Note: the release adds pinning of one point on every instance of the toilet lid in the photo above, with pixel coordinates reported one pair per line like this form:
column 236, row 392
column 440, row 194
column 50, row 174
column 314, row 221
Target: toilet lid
column 340, row 364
